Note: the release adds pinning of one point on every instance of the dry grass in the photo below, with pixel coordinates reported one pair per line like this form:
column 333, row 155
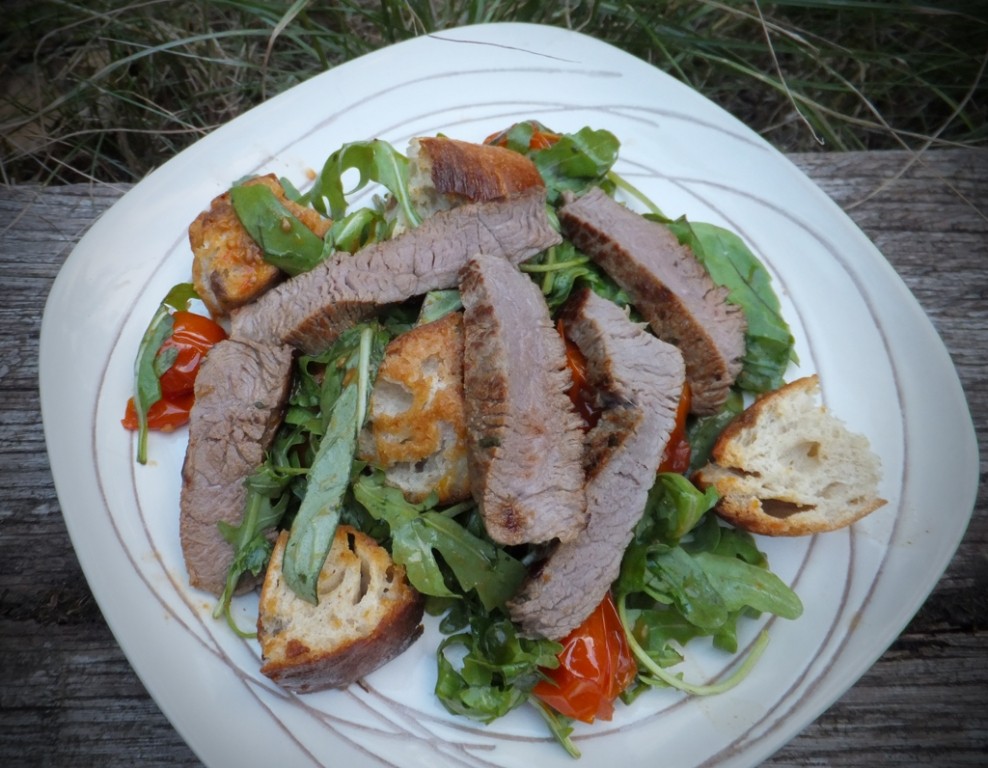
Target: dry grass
column 105, row 89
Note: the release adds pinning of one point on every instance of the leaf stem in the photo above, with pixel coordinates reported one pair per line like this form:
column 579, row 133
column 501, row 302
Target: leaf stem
column 660, row 677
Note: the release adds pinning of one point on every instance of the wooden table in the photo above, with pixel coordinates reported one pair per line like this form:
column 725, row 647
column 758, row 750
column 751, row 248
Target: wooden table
column 69, row 697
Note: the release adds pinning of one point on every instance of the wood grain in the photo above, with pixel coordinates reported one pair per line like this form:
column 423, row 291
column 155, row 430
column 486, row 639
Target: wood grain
column 69, row 697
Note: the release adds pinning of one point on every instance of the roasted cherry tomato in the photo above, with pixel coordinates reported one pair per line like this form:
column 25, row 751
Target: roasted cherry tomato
column 595, row 666
column 165, row 415
column 192, row 337
column 676, row 457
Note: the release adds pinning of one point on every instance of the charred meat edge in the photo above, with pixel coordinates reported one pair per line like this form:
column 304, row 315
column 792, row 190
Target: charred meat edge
column 671, row 289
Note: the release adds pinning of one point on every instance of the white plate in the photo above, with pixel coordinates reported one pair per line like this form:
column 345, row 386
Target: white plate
column 883, row 368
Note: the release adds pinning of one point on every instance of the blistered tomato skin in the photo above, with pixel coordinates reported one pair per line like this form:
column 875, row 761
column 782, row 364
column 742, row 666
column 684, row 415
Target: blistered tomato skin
column 165, row 415
column 595, row 666
column 192, row 337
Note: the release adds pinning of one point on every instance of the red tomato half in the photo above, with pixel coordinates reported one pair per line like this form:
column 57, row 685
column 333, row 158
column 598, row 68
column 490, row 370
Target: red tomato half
column 595, row 666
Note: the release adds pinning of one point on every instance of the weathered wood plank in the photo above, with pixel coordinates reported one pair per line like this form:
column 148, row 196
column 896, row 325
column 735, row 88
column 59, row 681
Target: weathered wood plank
column 69, row 697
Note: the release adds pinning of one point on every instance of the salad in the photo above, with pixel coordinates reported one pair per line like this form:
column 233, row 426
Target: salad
column 685, row 575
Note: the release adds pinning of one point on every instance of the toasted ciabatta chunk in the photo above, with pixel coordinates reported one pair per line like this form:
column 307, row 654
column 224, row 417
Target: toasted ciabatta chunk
column 228, row 267
column 416, row 429
column 447, row 172
column 367, row 614
column 787, row 467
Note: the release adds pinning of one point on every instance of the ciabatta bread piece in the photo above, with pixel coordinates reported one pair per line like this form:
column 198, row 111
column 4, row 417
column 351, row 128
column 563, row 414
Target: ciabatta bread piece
column 416, row 428
column 448, row 172
column 787, row 467
column 228, row 267
column 367, row 614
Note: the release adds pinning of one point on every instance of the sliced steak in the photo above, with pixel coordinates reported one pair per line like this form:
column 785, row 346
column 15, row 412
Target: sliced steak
column 669, row 287
column 524, row 438
column 639, row 380
column 240, row 394
column 310, row 310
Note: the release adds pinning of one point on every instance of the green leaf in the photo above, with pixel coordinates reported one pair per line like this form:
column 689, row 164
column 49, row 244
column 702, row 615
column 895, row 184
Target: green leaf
column 691, row 590
column 147, row 386
column 676, row 505
column 357, row 229
column 438, row 304
column 349, row 377
column 418, row 534
column 498, row 668
column 558, row 270
column 477, row 564
column 673, row 508
column 285, row 241
column 703, row 432
column 375, row 160
column 251, row 547
column 741, row 585
column 315, row 523
column 577, row 161
column 659, row 630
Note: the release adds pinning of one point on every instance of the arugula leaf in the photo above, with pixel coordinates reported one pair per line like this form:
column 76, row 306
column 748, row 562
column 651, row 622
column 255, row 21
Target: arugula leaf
column 418, row 533
column 558, row 269
column 375, row 160
column 315, row 523
column 437, row 304
column 357, row 229
column 285, row 241
column 685, row 575
column 147, row 369
column 251, row 545
column 702, row 432
column 683, row 578
column 676, row 505
column 577, row 161
column 560, row 727
column 348, row 380
column 742, row 585
column 498, row 669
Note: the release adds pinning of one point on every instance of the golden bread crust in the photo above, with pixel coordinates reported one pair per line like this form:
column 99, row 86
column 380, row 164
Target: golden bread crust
column 367, row 614
column 786, row 467
column 448, row 172
column 228, row 267
column 416, row 430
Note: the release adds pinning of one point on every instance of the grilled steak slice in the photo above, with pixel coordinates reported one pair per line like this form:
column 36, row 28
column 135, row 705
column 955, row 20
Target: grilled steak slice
column 310, row 310
column 669, row 287
column 240, row 393
column 524, row 438
column 638, row 380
